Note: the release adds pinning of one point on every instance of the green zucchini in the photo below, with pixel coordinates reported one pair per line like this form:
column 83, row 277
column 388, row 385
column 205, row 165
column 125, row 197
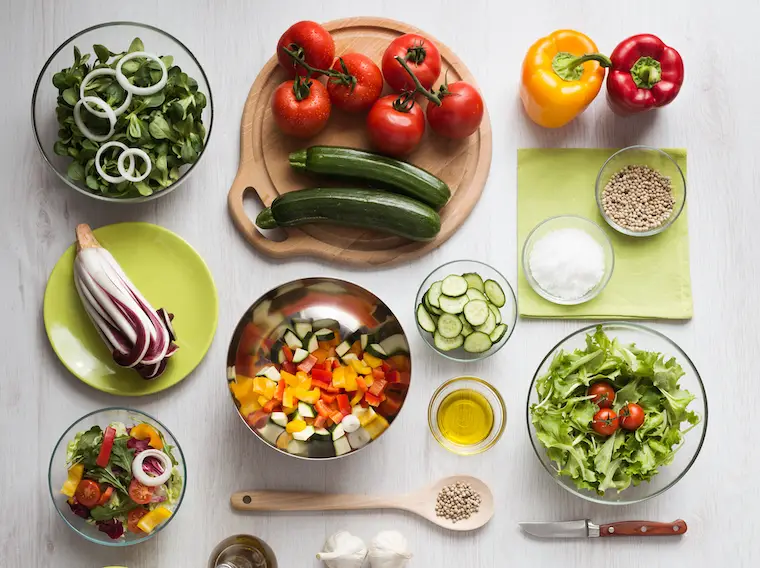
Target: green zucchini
column 364, row 208
column 397, row 176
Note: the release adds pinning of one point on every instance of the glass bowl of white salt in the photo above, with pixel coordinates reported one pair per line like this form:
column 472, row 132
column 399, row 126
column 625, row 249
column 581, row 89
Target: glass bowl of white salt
column 568, row 259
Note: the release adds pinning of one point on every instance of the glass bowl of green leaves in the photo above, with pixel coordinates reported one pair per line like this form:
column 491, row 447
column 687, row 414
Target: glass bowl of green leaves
column 122, row 88
column 94, row 484
column 617, row 413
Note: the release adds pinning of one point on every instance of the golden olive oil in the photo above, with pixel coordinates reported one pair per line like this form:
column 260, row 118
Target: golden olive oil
column 465, row 417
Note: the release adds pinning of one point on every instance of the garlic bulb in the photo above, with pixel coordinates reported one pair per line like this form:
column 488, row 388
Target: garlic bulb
column 343, row 550
column 388, row 550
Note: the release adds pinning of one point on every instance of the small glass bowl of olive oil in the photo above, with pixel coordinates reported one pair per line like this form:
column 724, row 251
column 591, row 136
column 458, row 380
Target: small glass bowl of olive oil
column 467, row 415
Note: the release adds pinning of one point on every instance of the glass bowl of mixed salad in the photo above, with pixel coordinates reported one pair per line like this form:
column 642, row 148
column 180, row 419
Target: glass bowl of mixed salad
column 617, row 413
column 318, row 368
column 122, row 112
column 117, row 476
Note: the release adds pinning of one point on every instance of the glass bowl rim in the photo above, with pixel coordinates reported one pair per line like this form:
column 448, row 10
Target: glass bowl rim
column 256, row 434
column 490, row 388
column 620, row 229
column 486, row 354
column 637, row 327
column 546, row 295
column 209, row 98
column 117, row 544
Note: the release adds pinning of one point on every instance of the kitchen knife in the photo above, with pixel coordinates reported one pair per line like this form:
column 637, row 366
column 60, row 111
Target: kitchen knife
column 584, row 528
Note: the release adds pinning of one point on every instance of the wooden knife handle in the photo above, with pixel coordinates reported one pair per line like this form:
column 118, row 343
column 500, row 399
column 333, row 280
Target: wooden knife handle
column 643, row 528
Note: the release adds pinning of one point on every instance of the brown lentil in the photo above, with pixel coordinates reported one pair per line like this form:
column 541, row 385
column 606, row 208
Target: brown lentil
column 638, row 198
column 457, row 502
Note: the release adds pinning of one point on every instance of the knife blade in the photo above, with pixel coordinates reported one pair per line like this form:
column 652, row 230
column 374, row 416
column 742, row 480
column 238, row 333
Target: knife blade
column 584, row 528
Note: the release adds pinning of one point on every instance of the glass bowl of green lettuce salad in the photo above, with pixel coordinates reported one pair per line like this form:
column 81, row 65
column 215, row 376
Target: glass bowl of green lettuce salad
column 643, row 367
column 96, row 474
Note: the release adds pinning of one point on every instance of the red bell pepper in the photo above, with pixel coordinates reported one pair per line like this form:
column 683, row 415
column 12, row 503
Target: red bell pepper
column 392, row 376
column 378, row 373
column 106, row 496
column 373, row 400
column 645, row 74
column 321, row 375
column 307, row 363
column 105, row 449
column 385, row 367
column 336, row 416
column 322, row 409
column 328, row 398
column 270, row 406
column 361, row 383
column 377, row 387
column 343, row 405
column 257, row 419
column 289, row 367
column 280, row 391
column 320, row 422
column 288, row 353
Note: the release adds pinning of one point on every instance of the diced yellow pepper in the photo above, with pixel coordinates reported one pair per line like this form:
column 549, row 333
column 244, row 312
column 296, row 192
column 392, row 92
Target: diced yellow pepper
column 377, row 426
column 72, row 481
column 241, row 387
column 372, row 361
column 304, row 380
column 360, row 367
column 310, row 396
column 350, row 376
column 357, row 398
column 153, row 518
column 288, row 409
column 295, row 426
column 365, row 415
column 339, row 377
column 288, row 397
column 301, row 376
column 249, row 408
column 260, row 385
column 262, row 400
column 289, row 379
column 270, row 390
column 368, row 380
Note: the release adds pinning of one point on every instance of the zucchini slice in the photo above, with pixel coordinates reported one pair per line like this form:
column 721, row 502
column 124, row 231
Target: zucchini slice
column 279, row 418
column 496, row 312
column 327, row 323
column 474, row 281
column 425, row 320
column 343, row 348
column 454, row 285
column 495, row 293
column 453, row 305
column 449, row 326
column 292, row 340
column 434, row 293
column 306, row 410
column 478, row 342
column 499, row 332
column 377, row 350
column 364, row 341
column 394, row 344
column 475, row 294
column 476, row 312
column 447, row 344
column 430, row 308
column 311, row 343
column 489, row 325
column 324, row 334
column 270, row 432
column 302, row 328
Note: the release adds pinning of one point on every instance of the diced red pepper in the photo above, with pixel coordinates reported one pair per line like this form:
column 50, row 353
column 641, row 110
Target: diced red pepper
column 392, row 376
column 328, row 398
column 322, row 408
column 336, row 363
column 364, row 403
column 320, row 384
column 336, row 417
column 257, row 419
column 307, row 363
column 280, row 391
column 289, row 367
column 320, row 422
column 371, row 399
column 319, row 366
column 391, row 405
column 271, row 405
column 377, row 387
column 361, row 383
column 105, row 449
column 386, row 367
column 378, row 373
column 104, row 498
column 321, row 375
column 288, row 353
column 343, row 405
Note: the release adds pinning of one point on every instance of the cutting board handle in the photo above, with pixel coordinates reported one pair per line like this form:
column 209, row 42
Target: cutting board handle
column 643, row 528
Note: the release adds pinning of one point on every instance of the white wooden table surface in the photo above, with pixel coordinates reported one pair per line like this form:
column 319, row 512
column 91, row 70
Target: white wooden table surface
column 715, row 117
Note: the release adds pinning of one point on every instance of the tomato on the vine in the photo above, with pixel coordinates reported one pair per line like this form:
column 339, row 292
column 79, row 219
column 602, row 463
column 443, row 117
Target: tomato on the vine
column 396, row 124
column 605, row 422
column 604, row 394
column 460, row 112
column 301, row 107
column 133, row 517
column 422, row 56
column 359, row 87
column 139, row 493
column 308, row 41
column 631, row 416
column 87, row 493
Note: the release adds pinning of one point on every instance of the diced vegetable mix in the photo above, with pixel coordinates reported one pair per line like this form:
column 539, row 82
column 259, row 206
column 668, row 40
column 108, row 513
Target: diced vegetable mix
column 322, row 395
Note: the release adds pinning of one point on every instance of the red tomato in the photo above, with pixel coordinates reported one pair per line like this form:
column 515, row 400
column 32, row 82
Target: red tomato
column 395, row 125
column 605, row 422
column 460, row 113
column 106, row 496
column 604, row 394
column 363, row 87
column 87, row 493
column 631, row 416
column 139, row 493
column 310, row 41
column 421, row 55
column 105, row 447
column 134, row 517
column 301, row 107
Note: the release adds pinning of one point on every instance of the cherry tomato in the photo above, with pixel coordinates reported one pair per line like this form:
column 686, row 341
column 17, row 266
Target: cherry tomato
column 308, row 40
column 134, row 517
column 631, row 416
column 106, row 496
column 301, row 107
column 604, row 394
column 396, row 124
column 139, row 493
column 605, row 422
column 460, row 113
column 87, row 493
column 421, row 55
column 363, row 88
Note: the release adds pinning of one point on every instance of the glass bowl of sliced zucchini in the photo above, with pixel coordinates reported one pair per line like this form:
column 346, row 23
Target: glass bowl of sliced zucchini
column 318, row 368
column 466, row 310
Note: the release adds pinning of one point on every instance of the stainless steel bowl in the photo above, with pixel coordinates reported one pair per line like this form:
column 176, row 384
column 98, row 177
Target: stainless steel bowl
column 352, row 306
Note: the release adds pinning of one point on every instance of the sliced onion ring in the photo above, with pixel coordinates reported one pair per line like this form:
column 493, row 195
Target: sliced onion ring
column 142, row 91
column 80, row 123
column 101, row 171
column 97, row 73
column 128, row 153
column 144, row 478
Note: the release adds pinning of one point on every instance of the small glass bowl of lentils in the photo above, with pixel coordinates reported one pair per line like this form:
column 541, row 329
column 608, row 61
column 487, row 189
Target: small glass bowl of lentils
column 640, row 191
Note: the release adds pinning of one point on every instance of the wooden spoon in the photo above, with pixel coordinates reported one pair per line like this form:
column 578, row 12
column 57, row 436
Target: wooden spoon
column 420, row 502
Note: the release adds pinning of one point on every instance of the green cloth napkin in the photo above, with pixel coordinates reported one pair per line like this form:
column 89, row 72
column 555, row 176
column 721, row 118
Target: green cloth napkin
column 651, row 276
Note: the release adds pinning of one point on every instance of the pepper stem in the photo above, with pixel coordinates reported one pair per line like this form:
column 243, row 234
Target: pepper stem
column 418, row 88
column 569, row 67
column 646, row 72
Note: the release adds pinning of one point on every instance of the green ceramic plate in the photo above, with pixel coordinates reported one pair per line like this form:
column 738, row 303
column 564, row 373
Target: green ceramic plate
column 169, row 273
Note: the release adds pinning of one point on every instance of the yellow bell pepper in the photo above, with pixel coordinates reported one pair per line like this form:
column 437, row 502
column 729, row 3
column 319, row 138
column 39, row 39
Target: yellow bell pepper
column 262, row 400
column 289, row 379
column 295, row 426
column 301, row 376
column 377, row 426
column 288, row 409
column 249, row 408
column 360, row 367
column 288, row 397
column 368, row 380
column 304, row 380
column 350, row 379
column 310, row 396
column 241, row 387
column 339, row 377
column 365, row 415
column 357, row 398
column 153, row 518
column 72, row 481
column 561, row 74
column 270, row 389
column 146, row 431
column 261, row 384
column 372, row 361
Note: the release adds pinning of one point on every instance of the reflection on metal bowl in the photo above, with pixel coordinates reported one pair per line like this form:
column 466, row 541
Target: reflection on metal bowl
column 356, row 316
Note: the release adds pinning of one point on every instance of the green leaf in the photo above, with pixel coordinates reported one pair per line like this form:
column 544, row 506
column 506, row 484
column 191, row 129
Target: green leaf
column 92, row 183
column 135, row 127
column 143, row 188
column 168, row 60
column 155, row 100
column 76, row 171
column 77, row 56
column 105, row 513
column 102, row 53
column 136, row 45
column 160, row 129
column 60, row 81
column 189, row 155
column 176, row 111
column 71, row 96
column 130, row 67
column 60, row 148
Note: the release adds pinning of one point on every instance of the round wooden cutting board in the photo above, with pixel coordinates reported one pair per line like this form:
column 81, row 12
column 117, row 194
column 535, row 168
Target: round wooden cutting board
column 264, row 168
